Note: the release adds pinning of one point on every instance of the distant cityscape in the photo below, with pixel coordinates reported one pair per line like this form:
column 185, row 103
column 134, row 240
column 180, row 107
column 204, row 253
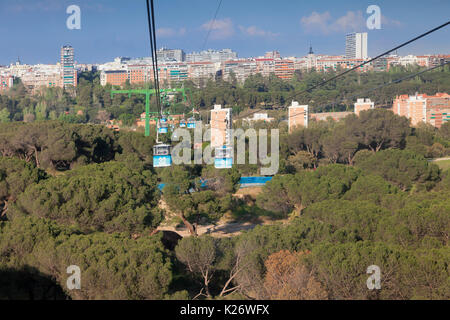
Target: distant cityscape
column 177, row 66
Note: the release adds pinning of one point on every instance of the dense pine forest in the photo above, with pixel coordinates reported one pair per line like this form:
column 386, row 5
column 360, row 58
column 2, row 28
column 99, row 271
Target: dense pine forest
column 363, row 191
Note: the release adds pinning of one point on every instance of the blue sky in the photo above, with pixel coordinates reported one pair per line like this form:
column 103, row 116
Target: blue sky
column 36, row 29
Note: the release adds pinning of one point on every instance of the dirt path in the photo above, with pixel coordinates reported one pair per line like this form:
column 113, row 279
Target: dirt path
column 439, row 159
column 219, row 230
column 222, row 228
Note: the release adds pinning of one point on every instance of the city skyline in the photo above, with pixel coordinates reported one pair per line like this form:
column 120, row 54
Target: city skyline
column 207, row 52
column 175, row 66
column 107, row 32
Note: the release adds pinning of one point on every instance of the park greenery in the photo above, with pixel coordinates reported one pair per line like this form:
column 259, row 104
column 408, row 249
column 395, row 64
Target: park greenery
column 348, row 195
column 93, row 103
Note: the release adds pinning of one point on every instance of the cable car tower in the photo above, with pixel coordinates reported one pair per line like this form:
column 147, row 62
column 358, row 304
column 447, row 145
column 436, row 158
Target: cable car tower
column 148, row 93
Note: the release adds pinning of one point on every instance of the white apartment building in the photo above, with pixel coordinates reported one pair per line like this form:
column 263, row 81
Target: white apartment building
column 212, row 56
column 356, row 46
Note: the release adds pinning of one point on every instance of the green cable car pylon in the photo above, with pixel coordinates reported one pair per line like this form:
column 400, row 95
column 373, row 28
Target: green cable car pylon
column 148, row 93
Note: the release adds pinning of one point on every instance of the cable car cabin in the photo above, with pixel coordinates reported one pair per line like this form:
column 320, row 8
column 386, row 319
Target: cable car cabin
column 162, row 156
column 223, row 158
column 163, row 126
column 191, row 123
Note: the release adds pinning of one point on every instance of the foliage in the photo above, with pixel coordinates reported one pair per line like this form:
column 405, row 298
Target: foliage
column 61, row 146
column 403, row 168
column 113, row 266
column 15, row 176
column 341, row 269
column 288, row 279
column 362, row 191
column 211, row 203
column 284, row 193
column 101, row 197
column 198, row 254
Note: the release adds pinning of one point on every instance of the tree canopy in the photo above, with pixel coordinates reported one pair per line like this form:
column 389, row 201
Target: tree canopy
column 105, row 197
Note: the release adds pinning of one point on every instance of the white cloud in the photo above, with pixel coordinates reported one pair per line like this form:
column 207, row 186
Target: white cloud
column 316, row 22
column 220, row 29
column 97, row 7
column 40, row 5
column 352, row 21
column 254, row 31
column 385, row 21
column 170, row 32
column 19, row 6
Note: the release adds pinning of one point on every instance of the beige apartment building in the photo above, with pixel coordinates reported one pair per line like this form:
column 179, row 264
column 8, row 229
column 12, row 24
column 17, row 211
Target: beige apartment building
column 221, row 125
column 422, row 108
column 417, row 109
column 363, row 104
column 400, row 106
column 297, row 115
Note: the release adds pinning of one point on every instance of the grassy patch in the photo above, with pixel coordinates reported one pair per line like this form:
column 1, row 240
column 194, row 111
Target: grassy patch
column 246, row 212
column 444, row 164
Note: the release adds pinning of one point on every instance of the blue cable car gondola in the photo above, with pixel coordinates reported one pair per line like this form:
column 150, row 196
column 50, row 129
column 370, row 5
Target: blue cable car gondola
column 162, row 156
column 191, row 123
column 223, row 158
column 163, row 126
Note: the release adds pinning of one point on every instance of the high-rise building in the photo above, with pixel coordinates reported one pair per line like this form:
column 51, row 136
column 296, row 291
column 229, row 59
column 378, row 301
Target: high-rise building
column 242, row 69
column 272, row 55
column 212, row 56
column 356, row 46
column 400, row 105
column 417, row 109
column 284, row 69
column 421, row 108
column 221, row 124
column 165, row 54
column 68, row 72
column 298, row 115
column 200, row 71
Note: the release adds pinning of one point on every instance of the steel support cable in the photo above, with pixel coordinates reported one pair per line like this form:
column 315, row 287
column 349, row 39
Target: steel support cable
column 371, row 60
column 213, row 21
column 386, row 84
column 362, row 64
column 152, row 35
